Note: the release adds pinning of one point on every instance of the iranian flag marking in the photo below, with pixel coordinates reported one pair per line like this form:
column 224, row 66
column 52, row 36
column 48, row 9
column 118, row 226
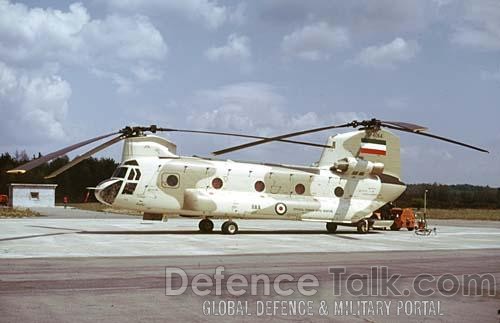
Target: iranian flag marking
column 373, row 147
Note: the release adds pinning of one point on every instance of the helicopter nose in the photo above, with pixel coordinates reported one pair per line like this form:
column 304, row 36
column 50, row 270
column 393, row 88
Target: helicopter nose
column 107, row 191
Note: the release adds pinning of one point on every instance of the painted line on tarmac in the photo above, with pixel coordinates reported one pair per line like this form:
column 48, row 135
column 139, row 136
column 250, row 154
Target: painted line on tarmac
column 57, row 228
column 35, row 236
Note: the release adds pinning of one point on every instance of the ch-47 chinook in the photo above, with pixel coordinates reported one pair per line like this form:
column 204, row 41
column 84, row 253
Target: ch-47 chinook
column 358, row 172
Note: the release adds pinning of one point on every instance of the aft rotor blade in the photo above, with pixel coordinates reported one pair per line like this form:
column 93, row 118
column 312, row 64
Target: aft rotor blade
column 406, row 125
column 242, row 136
column 81, row 158
column 281, row 138
column 439, row 138
column 37, row 162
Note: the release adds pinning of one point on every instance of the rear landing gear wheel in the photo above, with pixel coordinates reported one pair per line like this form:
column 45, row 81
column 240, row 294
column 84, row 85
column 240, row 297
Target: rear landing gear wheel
column 229, row 227
column 362, row 226
column 206, row 226
column 331, row 227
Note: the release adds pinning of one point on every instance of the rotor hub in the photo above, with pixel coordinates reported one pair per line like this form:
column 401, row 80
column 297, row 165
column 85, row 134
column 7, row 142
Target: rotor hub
column 138, row 131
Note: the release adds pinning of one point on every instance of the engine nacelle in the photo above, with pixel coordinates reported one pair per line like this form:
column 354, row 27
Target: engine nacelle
column 357, row 167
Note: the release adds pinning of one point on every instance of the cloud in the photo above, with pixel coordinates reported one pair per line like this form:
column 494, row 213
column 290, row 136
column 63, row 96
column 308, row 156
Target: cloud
column 33, row 107
column 212, row 14
column 361, row 17
column 46, row 33
column 415, row 153
column 388, row 55
column 237, row 48
column 490, row 76
column 255, row 108
column 387, row 16
column 396, row 103
column 481, row 26
column 124, row 38
column 315, row 42
column 146, row 73
column 239, row 107
column 123, row 84
column 116, row 44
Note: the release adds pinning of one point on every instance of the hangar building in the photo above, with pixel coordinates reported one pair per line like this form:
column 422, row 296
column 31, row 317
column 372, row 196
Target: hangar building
column 32, row 195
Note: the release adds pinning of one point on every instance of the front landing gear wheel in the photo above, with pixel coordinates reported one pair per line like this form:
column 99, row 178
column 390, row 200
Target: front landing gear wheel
column 206, row 226
column 229, row 227
column 362, row 226
column 331, row 227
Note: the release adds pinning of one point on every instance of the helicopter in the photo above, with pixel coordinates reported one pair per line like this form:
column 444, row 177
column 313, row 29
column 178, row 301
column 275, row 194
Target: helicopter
column 358, row 172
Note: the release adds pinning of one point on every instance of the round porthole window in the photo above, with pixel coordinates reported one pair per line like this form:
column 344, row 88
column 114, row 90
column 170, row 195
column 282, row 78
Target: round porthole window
column 300, row 189
column 260, row 186
column 172, row 180
column 339, row 191
column 217, row 183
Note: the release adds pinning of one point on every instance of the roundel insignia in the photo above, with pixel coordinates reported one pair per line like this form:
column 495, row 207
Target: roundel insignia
column 280, row 208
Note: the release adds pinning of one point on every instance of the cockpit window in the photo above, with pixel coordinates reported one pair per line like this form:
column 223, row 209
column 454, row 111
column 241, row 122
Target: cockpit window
column 131, row 175
column 132, row 162
column 109, row 193
column 138, row 175
column 120, row 172
column 129, row 188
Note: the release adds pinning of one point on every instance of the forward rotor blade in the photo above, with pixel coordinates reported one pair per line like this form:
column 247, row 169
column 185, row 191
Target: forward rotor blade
column 281, row 138
column 439, row 138
column 406, row 125
column 81, row 158
column 37, row 162
column 241, row 135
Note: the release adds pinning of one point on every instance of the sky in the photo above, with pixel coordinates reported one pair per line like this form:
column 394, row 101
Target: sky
column 72, row 71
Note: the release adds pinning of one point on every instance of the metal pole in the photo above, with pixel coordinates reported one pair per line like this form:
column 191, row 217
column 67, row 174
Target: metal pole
column 425, row 205
column 425, row 201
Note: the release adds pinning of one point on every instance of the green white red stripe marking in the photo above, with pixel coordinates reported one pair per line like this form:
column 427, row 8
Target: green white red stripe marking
column 373, row 147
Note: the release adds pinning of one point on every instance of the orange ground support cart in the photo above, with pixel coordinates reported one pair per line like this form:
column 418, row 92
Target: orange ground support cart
column 403, row 218
column 394, row 219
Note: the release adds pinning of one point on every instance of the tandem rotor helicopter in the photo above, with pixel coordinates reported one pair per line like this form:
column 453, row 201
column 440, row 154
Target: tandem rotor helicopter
column 358, row 172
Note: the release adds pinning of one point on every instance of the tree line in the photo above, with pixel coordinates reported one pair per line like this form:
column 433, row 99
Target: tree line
column 450, row 196
column 74, row 182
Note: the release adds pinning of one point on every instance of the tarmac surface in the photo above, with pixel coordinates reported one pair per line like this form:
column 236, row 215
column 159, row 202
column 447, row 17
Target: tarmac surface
column 82, row 266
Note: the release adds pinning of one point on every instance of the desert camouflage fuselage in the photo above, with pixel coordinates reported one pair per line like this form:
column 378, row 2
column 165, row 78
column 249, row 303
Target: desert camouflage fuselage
column 359, row 174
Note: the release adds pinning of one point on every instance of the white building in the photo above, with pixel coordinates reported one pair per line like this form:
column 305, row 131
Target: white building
column 32, row 195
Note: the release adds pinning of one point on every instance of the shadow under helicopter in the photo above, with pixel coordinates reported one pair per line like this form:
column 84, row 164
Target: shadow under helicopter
column 342, row 234
column 338, row 234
